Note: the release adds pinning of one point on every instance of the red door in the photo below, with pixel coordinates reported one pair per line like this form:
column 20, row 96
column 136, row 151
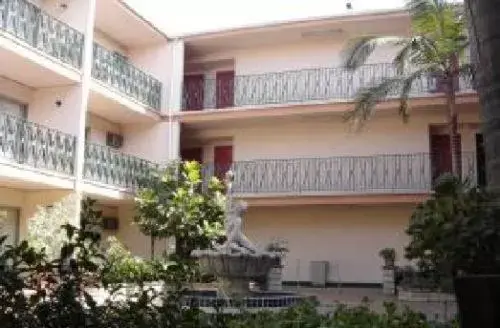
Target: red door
column 192, row 154
column 225, row 89
column 441, row 161
column 193, row 91
column 223, row 158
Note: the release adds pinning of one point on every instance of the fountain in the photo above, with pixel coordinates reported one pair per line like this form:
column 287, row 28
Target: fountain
column 237, row 262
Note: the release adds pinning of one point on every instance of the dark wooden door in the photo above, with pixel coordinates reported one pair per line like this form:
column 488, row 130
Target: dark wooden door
column 224, row 89
column 192, row 154
column 441, row 160
column 194, row 91
column 223, row 159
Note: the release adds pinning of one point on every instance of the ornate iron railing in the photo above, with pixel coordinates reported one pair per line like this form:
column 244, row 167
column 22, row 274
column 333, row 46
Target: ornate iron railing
column 31, row 144
column 108, row 166
column 114, row 70
column 398, row 173
column 306, row 85
column 38, row 29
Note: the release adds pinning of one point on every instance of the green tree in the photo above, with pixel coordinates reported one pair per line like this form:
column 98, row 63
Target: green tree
column 176, row 204
column 437, row 44
column 45, row 228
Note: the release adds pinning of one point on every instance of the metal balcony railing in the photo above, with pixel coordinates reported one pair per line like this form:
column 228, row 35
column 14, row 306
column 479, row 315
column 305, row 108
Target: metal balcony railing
column 40, row 147
column 32, row 25
column 108, row 166
column 114, row 70
column 398, row 173
column 299, row 86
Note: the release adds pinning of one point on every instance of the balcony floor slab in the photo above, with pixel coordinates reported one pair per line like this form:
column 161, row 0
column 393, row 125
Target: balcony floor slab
column 31, row 67
column 114, row 106
column 20, row 176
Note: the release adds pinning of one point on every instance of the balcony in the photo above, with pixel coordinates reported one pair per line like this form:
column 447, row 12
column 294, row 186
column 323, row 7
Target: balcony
column 116, row 72
column 35, row 28
column 107, row 166
column 378, row 174
column 29, row 152
column 297, row 87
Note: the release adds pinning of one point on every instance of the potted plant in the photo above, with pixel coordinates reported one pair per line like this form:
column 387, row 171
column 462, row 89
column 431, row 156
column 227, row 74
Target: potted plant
column 275, row 277
column 456, row 233
column 388, row 270
column 389, row 257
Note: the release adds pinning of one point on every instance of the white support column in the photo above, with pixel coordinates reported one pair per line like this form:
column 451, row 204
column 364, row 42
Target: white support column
column 84, row 96
column 175, row 95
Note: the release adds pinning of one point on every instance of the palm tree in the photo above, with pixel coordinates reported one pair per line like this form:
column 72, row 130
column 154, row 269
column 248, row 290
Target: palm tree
column 483, row 16
column 434, row 49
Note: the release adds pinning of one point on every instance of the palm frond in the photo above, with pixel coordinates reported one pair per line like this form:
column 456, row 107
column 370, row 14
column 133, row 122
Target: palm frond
column 367, row 99
column 358, row 51
column 406, row 86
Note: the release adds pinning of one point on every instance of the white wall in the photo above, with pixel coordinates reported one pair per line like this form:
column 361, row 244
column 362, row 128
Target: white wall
column 99, row 127
column 15, row 91
column 108, row 43
column 74, row 14
column 350, row 237
column 330, row 136
column 148, row 141
column 44, row 110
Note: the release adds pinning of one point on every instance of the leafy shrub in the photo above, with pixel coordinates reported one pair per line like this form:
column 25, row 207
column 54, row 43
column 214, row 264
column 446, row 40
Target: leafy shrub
column 455, row 231
column 45, row 228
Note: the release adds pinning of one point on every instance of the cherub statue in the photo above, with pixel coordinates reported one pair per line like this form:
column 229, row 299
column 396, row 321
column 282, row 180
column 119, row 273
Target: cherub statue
column 236, row 241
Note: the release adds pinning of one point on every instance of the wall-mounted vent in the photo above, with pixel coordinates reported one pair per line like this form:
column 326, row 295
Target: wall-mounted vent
column 114, row 140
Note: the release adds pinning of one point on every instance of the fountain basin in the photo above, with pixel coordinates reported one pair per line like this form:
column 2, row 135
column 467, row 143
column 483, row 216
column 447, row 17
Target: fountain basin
column 235, row 270
column 235, row 265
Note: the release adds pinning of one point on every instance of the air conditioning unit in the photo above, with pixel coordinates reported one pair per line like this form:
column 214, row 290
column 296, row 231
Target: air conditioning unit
column 319, row 273
column 110, row 223
column 114, row 140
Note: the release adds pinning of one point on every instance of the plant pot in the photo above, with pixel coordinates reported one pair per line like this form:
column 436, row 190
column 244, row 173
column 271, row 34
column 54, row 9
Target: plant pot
column 478, row 298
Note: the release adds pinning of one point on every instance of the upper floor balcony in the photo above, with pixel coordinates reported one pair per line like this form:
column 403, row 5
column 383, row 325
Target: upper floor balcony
column 306, row 86
column 384, row 174
column 35, row 44
column 106, row 166
column 115, row 71
column 34, row 154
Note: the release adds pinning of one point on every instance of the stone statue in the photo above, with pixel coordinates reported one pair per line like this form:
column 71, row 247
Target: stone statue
column 236, row 241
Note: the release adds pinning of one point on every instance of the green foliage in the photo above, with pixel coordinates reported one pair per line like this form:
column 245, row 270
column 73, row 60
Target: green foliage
column 122, row 267
column 176, row 204
column 45, row 227
column 455, row 230
column 437, row 43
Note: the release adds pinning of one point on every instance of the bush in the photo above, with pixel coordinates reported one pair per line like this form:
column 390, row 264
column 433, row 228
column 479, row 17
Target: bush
column 455, row 231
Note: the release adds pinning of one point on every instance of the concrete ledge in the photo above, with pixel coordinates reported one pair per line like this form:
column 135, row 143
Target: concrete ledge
column 424, row 296
column 334, row 284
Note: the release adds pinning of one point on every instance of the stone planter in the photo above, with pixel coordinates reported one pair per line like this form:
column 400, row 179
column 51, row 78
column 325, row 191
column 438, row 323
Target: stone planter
column 274, row 281
column 388, row 285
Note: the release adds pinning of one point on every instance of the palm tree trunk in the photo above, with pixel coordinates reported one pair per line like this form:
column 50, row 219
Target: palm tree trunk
column 455, row 142
column 484, row 16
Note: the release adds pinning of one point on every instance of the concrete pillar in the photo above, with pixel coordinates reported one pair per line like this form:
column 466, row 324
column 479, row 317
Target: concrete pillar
column 84, row 96
column 175, row 96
